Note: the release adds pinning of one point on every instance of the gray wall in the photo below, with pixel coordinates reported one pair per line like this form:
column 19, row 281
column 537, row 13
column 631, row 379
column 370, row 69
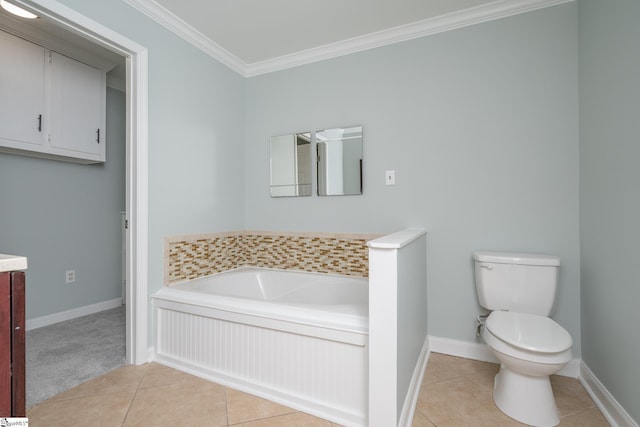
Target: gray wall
column 609, row 195
column 66, row 216
column 196, row 122
column 480, row 125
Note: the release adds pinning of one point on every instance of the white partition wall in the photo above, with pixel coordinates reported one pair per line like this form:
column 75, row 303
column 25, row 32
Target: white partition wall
column 397, row 325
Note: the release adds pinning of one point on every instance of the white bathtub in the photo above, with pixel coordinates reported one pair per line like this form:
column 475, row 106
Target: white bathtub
column 300, row 339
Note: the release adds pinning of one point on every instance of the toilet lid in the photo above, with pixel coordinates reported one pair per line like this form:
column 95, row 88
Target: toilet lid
column 529, row 331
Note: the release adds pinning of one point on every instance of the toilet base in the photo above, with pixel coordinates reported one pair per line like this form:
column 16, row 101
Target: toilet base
column 525, row 398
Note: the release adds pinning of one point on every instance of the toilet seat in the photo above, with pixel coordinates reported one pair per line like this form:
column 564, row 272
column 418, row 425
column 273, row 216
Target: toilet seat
column 529, row 332
column 530, row 348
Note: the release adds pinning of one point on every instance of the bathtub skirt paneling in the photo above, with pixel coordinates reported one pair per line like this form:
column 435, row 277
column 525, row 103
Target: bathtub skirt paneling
column 324, row 377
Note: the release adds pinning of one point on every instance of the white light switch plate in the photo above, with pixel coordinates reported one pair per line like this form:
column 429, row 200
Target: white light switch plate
column 390, row 177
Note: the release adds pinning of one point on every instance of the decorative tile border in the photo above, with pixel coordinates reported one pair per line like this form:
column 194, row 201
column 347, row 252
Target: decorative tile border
column 189, row 257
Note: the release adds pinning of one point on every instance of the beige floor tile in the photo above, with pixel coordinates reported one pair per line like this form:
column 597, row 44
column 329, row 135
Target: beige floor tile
column 105, row 410
column 160, row 375
column 123, row 379
column 441, row 367
column 244, row 407
column 591, row 417
column 195, row 402
column 297, row 419
column 420, row 420
column 570, row 396
column 454, row 392
column 485, row 376
column 459, row 402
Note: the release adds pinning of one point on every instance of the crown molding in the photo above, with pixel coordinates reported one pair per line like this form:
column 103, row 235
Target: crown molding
column 464, row 18
column 167, row 19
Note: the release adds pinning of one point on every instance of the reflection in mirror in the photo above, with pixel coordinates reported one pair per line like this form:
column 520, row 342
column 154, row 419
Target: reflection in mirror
column 291, row 165
column 339, row 158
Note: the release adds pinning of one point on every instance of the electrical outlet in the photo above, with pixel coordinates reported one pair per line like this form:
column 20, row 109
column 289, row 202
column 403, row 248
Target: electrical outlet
column 70, row 276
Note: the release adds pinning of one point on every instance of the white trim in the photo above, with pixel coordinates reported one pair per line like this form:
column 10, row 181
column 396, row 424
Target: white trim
column 466, row 349
column 614, row 413
column 138, row 206
column 439, row 24
column 480, row 351
column 137, row 160
column 167, row 19
column 411, row 400
column 74, row 313
column 396, row 240
column 451, row 21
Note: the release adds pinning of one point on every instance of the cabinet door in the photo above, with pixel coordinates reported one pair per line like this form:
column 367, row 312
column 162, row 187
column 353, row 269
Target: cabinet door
column 77, row 115
column 21, row 92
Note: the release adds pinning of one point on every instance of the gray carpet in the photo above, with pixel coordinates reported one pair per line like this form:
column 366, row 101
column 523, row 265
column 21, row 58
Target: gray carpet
column 66, row 354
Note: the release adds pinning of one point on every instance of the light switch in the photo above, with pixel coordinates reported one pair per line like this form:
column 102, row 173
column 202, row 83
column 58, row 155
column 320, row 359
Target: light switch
column 390, row 177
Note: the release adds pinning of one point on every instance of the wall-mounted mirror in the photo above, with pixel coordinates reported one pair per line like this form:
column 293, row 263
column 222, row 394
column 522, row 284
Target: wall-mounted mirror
column 339, row 158
column 291, row 165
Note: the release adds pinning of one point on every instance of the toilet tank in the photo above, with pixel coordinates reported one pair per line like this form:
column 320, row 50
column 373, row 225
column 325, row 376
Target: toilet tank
column 525, row 283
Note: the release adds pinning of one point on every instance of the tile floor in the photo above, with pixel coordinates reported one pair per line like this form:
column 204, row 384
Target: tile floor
column 454, row 392
column 458, row 392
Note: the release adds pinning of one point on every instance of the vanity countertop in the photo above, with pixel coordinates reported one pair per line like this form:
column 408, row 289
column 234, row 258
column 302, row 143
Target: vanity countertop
column 12, row 263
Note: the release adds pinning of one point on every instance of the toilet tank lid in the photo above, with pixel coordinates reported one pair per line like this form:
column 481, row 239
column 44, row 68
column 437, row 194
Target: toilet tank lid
column 516, row 258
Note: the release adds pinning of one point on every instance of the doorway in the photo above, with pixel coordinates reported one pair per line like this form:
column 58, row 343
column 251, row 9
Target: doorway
column 136, row 240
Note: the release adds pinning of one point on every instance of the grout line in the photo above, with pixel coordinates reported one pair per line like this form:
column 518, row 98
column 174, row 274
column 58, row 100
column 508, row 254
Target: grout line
column 135, row 393
column 273, row 417
column 226, row 404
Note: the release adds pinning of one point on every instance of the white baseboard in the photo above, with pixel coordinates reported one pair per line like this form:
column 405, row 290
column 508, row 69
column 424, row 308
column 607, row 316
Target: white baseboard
column 466, row 349
column 608, row 405
column 50, row 319
column 409, row 407
column 480, row 351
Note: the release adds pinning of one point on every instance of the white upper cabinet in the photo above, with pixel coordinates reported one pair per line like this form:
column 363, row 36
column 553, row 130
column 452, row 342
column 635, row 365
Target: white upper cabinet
column 77, row 112
column 51, row 106
column 21, row 91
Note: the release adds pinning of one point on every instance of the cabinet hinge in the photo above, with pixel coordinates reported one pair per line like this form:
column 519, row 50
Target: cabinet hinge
column 126, row 224
column 50, row 57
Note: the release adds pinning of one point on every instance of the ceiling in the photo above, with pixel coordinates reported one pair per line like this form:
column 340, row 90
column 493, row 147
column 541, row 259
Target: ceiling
column 258, row 30
column 259, row 36
column 254, row 37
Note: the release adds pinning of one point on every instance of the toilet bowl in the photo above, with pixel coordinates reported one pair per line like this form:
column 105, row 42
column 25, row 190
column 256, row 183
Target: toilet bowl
column 519, row 289
column 530, row 348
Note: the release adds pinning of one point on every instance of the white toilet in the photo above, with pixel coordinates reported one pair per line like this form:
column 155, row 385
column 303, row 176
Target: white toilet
column 520, row 291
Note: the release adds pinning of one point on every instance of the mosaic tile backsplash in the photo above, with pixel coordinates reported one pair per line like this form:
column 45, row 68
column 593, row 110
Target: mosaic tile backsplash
column 189, row 257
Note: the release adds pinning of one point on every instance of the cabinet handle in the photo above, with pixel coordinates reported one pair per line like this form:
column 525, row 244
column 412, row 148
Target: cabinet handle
column 98, row 137
column 39, row 122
